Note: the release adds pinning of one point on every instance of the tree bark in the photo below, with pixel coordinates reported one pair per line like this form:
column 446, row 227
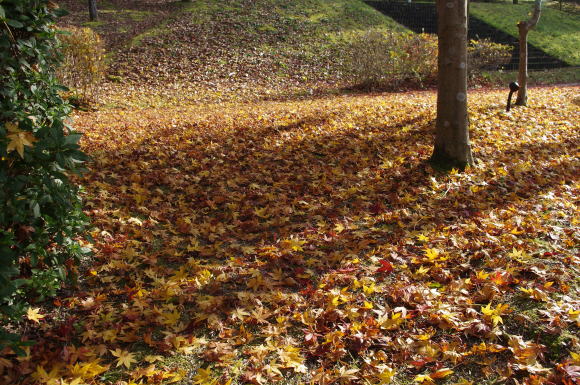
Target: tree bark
column 452, row 148
column 93, row 15
column 524, row 27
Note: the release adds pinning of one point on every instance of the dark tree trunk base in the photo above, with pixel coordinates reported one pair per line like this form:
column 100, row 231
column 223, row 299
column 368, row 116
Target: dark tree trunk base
column 93, row 13
column 441, row 161
column 521, row 102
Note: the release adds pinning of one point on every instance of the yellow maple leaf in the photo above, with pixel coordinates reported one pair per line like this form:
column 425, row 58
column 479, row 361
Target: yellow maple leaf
column 292, row 244
column 432, row 254
column 87, row 370
column 422, row 238
column 204, row 377
column 386, row 375
column 422, row 270
column 123, row 357
column 574, row 316
column 423, row 378
column 18, row 139
column 370, row 289
column 391, row 323
column 482, row 275
column 152, row 358
column 34, row 315
column 519, row 255
column 42, row 376
column 262, row 213
column 291, row 358
column 495, row 314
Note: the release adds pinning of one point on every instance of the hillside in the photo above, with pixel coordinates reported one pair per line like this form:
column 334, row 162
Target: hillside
column 557, row 33
column 208, row 50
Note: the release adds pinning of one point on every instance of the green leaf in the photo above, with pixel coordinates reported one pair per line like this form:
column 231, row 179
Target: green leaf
column 14, row 23
column 72, row 139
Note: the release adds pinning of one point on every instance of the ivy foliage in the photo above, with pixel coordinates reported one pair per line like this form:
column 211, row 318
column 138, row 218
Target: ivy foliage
column 40, row 209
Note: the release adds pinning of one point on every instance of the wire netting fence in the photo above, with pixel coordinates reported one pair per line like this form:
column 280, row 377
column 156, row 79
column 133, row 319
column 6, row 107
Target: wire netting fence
column 421, row 17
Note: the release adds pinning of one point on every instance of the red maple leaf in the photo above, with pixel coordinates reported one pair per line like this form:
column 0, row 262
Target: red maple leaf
column 386, row 267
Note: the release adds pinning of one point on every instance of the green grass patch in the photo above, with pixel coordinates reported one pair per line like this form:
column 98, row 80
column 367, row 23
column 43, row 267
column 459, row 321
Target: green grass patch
column 161, row 28
column 202, row 11
column 93, row 24
column 152, row 32
column 544, row 77
column 314, row 15
column 557, row 33
column 137, row 15
column 340, row 15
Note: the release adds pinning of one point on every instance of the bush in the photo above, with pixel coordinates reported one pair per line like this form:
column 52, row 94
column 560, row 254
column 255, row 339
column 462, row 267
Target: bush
column 83, row 66
column 485, row 54
column 385, row 60
column 40, row 210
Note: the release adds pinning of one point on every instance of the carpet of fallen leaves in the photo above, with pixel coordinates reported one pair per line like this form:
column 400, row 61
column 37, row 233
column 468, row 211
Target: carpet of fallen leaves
column 309, row 242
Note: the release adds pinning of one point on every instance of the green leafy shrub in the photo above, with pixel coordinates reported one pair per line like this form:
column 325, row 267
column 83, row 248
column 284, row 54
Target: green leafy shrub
column 83, row 67
column 385, row 60
column 40, row 209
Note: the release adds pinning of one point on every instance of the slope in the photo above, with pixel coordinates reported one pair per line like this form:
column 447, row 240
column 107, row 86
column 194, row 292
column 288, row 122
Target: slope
column 212, row 49
column 557, row 33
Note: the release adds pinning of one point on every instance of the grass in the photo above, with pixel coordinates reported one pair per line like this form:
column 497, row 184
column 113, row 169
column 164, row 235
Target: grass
column 542, row 77
column 557, row 33
column 308, row 18
column 340, row 16
column 230, row 50
column 271, row 47
column 93, row 24
column 158, row 30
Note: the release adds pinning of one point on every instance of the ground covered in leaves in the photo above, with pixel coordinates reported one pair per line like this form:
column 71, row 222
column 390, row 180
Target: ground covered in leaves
column 309, row 242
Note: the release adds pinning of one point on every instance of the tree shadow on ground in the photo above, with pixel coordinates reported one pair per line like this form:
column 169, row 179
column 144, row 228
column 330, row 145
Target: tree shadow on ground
column 222, row 232
column 256, row 188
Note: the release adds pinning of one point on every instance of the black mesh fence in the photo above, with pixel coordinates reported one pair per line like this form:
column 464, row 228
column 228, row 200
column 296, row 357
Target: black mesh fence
column 422, row 17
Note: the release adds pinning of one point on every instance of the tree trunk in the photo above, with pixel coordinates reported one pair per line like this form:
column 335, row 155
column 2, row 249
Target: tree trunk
column 515, row 1
column 524, row 27
column 522, row 98
column 452, row 148
column 93, row 15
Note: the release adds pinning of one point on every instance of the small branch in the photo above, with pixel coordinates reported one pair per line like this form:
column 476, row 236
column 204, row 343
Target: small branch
column 535, row 16
column 9, row 31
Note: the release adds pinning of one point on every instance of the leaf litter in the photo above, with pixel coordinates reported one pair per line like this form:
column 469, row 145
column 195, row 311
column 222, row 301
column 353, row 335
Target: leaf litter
column 309, row 241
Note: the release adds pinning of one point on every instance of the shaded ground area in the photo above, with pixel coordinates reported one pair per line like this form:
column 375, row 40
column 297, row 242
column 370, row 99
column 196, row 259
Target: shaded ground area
column 308, row 242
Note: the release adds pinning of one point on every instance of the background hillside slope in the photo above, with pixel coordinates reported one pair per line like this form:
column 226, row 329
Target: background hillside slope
column 232, row 47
